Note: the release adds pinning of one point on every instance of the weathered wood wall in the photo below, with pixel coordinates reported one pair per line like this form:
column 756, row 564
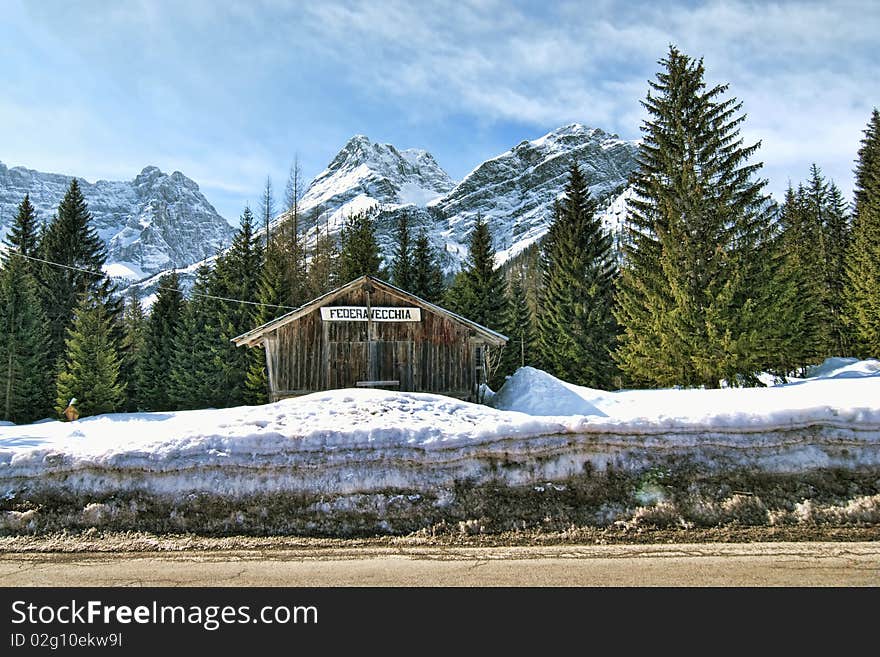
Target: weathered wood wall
column 433, row 355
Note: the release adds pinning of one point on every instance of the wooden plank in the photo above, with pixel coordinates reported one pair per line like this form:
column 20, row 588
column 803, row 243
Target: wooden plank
column 369, row 384
column 270, row 347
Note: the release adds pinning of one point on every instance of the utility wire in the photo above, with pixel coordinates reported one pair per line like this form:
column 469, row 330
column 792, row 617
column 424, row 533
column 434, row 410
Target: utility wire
column 168, row 289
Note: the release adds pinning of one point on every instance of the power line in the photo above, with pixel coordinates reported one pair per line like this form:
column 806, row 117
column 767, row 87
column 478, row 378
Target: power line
column 158, row 287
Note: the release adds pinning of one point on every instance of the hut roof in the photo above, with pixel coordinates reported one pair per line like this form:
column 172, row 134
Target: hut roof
column 255, row 336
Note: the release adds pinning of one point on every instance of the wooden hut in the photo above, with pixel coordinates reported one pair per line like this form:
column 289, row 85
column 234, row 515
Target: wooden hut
column 369, row 333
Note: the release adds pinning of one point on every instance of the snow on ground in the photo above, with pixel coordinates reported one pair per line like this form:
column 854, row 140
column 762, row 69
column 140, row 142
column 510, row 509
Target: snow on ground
column 822, row 398
column 343, row 442
column 537, row 393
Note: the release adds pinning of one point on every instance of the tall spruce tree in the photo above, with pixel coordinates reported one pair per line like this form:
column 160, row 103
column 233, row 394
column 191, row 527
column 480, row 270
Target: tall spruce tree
column 837, row 234
column 91, row 363
column 25, row 383
column 697, row 301
column 479, row 291
column 358, row 249
column 520, row 331
column 804, row 246
column 814, row 237
column 196, row 370
column 323, row 269
column 23, row 235
column 237, row 277
column 576, row 328
column 427, row 275
column 402, row 262
column 158, row 352
column 70, row 241
column 273, row 293
column 132, row 350
column 863, row 258
column 801, row 288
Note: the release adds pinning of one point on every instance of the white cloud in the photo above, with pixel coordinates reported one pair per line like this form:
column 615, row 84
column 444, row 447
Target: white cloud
column 227, row 92
column 805, row 71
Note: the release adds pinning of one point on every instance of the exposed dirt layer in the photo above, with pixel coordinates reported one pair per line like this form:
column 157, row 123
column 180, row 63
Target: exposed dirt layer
column 95, row 541
column 605, row 505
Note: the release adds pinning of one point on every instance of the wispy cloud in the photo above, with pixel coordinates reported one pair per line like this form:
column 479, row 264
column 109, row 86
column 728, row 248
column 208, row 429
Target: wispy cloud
column 228, row 92
column 804, row 70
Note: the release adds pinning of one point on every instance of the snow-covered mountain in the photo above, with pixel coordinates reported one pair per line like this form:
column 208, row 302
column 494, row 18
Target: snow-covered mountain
column 365, row 174
column 152, row 223
column 514, row 191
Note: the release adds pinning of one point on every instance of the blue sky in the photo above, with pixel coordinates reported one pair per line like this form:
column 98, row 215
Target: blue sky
column 229, row 92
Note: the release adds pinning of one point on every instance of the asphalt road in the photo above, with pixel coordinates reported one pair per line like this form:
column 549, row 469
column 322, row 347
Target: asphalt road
column 703, row 564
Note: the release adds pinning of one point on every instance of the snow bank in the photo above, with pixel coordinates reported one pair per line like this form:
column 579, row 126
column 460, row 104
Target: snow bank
column 535, row 392
column 844, row 368
column 824, row 399
column 356, row 440
column 367, row 454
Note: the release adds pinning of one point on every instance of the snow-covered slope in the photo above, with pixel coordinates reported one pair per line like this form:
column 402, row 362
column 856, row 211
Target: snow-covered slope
column 152, row 223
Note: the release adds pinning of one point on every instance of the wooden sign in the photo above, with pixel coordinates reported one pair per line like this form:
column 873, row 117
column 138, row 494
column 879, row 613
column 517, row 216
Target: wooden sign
column 377, row 314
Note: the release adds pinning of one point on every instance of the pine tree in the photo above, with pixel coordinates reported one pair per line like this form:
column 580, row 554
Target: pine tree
column 23, row 235
column 25, row 384
column 520, row 330
column 576, row 330
column 479, row 291
column 402, row 263
column 863, row 258
column 132, row 350
column 837, row 233
column 427, row 275
column 158, row 351
column 196, row 367
column 91, row 365
column 323, row 270
column 71, row 242
column 694, row 297
column 814, row 237
column 281, row 288
column 804, row 247
column 359, row 253
column 273, row 288
column 271, row 293
column 267, row 208
column 237, row 276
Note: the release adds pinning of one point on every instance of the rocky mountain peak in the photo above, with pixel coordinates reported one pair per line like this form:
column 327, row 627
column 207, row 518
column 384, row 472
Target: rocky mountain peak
column 366, row 174
column 514, row 191
column 151, row 223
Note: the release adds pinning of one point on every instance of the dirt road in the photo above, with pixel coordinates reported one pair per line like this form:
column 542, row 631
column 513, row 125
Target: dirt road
column 704, row 564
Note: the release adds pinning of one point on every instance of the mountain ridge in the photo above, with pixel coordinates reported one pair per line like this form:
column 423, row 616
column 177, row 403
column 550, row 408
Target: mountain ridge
column 513, row 191
column 151, row 223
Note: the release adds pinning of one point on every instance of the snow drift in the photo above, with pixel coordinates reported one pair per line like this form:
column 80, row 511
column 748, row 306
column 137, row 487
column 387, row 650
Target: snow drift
column 349, row 461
